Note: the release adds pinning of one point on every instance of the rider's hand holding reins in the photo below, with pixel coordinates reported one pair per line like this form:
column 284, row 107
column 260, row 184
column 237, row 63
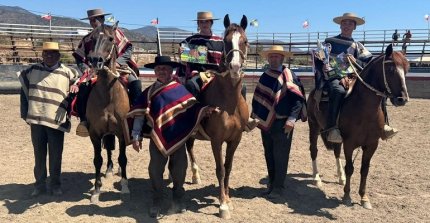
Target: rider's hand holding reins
column 289, row 125
column 137, row 145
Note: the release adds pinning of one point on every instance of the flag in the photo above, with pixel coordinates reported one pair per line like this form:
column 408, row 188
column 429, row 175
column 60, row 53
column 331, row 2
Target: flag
column 427, row 17
column 46, row 17
column 305, row 24
column 254, row 23
column 154, row 22
column 111, row 19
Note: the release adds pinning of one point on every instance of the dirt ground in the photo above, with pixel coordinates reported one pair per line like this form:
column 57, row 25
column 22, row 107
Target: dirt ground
column 398, row 182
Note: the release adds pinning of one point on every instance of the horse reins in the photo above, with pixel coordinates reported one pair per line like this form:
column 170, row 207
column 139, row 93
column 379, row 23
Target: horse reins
column 379, row 93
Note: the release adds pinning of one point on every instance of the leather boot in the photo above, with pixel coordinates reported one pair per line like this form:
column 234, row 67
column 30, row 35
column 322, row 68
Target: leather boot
column 335, row 103
column 134, row 90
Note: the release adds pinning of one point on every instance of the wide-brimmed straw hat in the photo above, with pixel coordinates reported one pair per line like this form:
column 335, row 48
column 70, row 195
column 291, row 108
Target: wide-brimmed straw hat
column 276, row 49
column 204, row 16
column 162, row 60
column 351, row 16
column 50, row 46
column 95, row 13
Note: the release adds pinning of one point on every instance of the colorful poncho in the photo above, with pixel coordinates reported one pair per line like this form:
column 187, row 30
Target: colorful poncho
column 171, row 112
column 271, row 88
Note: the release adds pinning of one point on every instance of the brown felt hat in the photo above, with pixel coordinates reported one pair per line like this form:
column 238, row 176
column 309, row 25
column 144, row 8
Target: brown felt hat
column 95, row 13
column 276, row 49
column 204, row 16
column 50, row 46
column 351, row 16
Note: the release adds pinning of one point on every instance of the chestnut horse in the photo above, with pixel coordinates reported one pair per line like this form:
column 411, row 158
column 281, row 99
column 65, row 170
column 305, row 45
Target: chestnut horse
column 228, row 124
column 107, row 105
column 361, row 120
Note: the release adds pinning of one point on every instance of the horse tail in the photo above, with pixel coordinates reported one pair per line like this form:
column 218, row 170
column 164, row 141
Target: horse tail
column 109, row 142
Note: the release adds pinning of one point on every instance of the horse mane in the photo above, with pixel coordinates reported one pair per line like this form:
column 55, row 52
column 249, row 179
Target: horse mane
column 397, row 57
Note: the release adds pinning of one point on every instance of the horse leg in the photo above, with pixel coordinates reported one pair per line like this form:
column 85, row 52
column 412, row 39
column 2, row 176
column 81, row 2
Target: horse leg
column 220, row 173
column 313, row 141
column 349, row 169
column 340, row 171
column 194, row 167
column 368, row 152
column 109, row 145
column 98, row 161
column 122, row 160
column 228, row 164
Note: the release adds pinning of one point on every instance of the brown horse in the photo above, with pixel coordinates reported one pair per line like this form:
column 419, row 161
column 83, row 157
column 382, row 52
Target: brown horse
column 361, row 120
column 225, row 93
column 107, row 105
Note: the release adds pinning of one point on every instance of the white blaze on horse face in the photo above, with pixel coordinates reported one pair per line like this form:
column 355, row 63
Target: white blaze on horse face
column 402, row 75
column 235, row 61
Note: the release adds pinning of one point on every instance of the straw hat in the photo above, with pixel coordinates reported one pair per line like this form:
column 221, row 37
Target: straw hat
column 204, row 16
column 50, row 46
column 95, row 13
column 276, row 49
column 351, row 16
column 162, row 60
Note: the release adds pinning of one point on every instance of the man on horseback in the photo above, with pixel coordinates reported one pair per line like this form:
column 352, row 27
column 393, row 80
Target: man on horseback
column 195, row 75
column 128, row 68
column 334, row 72
column 44, row 106
column 149, row 117
column 277, row 104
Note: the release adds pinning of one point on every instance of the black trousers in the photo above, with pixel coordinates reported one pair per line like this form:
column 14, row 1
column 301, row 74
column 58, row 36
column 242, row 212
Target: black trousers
column 178, row 164
column 277, row 147
column 46, row 139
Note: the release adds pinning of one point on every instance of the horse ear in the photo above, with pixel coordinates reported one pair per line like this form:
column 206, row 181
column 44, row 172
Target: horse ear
column 226, row 21
column 115, row 26
column 389, row 51
column 244, row 22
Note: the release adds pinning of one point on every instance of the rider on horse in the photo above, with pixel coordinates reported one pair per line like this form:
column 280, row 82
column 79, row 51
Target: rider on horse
column 128, row 68
column 332, row 72
column 195, row 75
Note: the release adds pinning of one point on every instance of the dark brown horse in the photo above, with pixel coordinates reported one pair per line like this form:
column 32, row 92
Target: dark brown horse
column 361, row 120
column 228, row 124
column 107, row 105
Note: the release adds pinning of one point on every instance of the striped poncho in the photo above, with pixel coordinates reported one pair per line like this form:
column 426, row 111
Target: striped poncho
column 45, row 93
column 271, row 88
column 171, row 112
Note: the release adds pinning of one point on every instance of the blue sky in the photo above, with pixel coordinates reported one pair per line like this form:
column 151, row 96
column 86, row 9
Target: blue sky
column 278, row 16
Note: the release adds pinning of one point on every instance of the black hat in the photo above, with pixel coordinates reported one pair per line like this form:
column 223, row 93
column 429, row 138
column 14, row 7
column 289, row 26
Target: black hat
column 95, row 13
column 162, row 60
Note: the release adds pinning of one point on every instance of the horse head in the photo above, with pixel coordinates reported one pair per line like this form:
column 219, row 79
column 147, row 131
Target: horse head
column 235, row 46
column 389, row 71
column 103, row 49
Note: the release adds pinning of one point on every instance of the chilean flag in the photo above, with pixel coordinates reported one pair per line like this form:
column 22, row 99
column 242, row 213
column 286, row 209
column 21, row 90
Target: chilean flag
column 154, row 22
column 46, row 17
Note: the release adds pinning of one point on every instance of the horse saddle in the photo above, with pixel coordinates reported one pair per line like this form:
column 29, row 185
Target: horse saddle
column 322, row 95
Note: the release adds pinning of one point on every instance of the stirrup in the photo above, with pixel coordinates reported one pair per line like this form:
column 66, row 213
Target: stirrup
column 251, row 124
column 82, row 130
column 389, row 132
column 334, row 136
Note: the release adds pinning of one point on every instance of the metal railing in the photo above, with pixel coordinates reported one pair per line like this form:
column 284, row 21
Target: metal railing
column 301, row 44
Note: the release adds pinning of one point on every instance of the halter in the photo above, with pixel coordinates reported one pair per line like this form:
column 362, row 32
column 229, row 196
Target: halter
column 242, row 55
column 379, row 93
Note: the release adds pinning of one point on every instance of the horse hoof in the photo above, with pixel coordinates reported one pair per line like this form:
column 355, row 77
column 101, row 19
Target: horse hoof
column 347, row 201
column 366, row 205
column 224, row 212
column 109, row 174
column 197, row 180
column 95, row 198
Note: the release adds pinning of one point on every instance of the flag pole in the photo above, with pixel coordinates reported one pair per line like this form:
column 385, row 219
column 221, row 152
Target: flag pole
column 158, row 39
column 50, row 19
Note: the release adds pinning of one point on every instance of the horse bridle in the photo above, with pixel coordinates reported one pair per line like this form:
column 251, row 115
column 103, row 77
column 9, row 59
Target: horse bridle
column 227, row 64
column 379, row 93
